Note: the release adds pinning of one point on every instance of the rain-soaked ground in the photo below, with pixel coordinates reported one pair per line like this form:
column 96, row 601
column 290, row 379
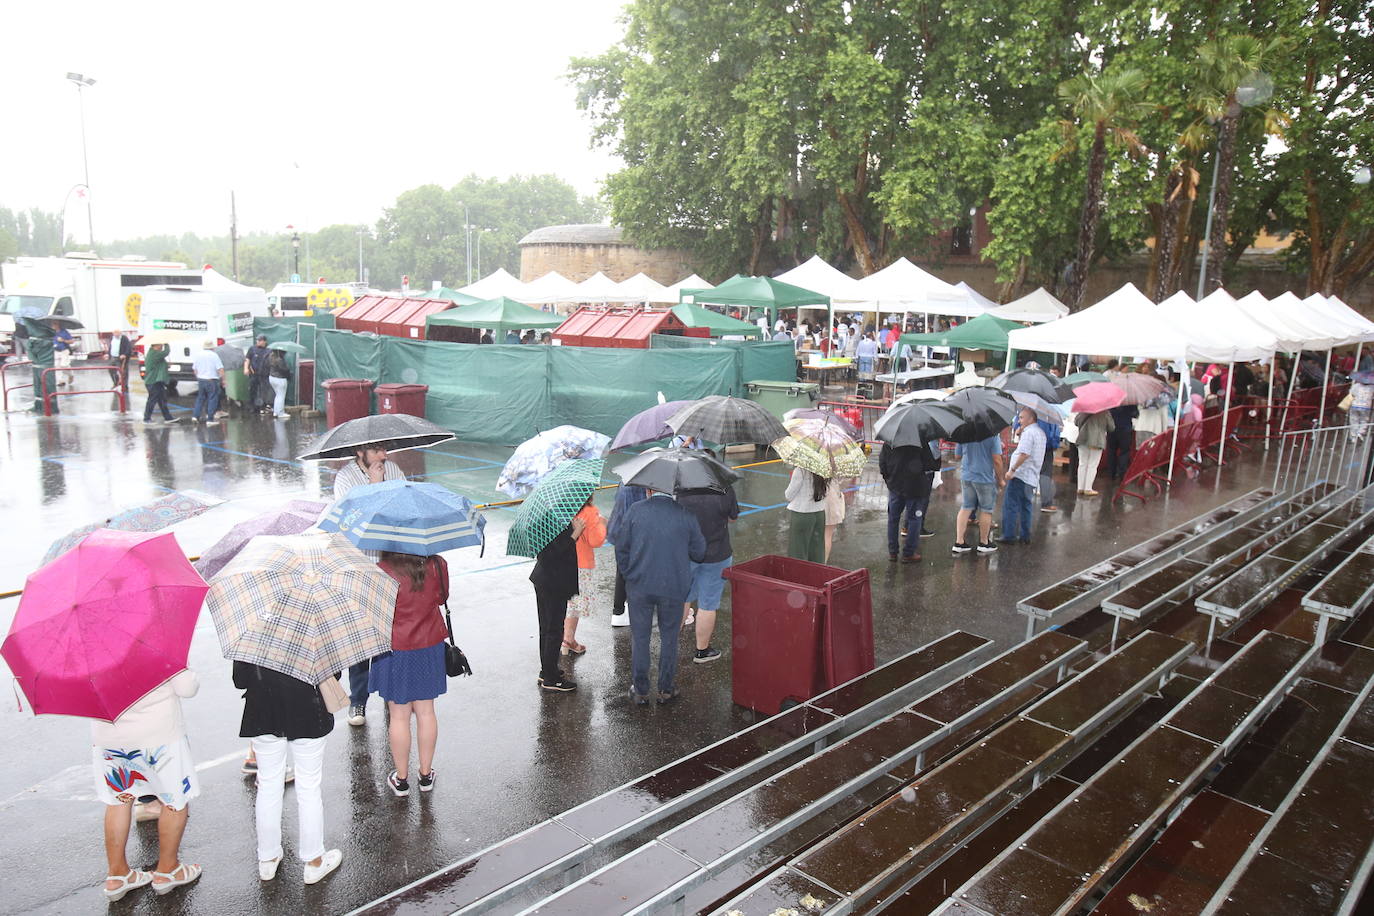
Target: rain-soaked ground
column 509, row 755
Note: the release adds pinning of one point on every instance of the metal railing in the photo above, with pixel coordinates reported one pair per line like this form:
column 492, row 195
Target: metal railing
column 1333, row 454
column 5, row 383
column 50, row 393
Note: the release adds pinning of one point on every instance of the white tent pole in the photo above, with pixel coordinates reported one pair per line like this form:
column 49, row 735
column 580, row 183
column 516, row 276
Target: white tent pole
column 1269, row 407
column 1178, row 420
column 1226, row 412
column 1007, row 366
column 1326, row 383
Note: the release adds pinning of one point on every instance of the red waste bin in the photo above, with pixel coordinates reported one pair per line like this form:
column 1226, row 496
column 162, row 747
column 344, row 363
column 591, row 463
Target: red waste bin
column 305, row 382
column 394, row 397
column 799, row 628
column 346, row 399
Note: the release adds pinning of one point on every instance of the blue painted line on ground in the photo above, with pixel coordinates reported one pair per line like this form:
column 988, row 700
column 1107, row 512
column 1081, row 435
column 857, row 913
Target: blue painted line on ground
column 229, row 451
column 762, row 509
column 768, row 473
column 751, row 506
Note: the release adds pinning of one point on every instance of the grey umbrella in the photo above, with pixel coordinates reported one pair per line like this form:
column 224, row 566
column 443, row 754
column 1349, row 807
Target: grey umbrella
column 231, row 356
column 396, row 431
column 673, row 469
column 986, row 412
column 917, row 423
column 1044, row 410
column 727, row 420
column 1034, row 381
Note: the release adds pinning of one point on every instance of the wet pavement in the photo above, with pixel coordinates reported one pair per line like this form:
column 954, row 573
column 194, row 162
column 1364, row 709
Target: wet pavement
column 508, row 755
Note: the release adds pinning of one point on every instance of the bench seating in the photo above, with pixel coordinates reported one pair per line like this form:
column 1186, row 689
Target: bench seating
column 711, row 843
column 1085, row 590
column 514, row 865
column 926, row 821
column 1058, row 865
column 1345, row 591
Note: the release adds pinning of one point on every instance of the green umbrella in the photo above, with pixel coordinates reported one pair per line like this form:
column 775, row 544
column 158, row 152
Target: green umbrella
column 1083, row 378
column 287, row 347
column 552, row 505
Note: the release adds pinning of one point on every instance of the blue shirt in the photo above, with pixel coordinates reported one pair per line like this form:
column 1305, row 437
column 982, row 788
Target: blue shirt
column 976, row 466
column 655, row 548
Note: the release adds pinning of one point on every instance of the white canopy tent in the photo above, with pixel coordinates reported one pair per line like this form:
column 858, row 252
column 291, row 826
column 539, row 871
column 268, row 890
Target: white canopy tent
column 673, row 293
column 1339, row 312
column 495, row 284
column 819, row 276
column 599, row 288
column 1123, row 323
column 1038, row 307
column 973, row 294
column 903, row 287
column 640, row 288
column 552, row 287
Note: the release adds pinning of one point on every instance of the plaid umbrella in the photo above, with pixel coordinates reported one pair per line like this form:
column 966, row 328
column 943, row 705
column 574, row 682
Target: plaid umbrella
column 535, row 458
column 298, row 515
column 821, row 447
column 552, row 505
column 404, row 517
column 1140, row 389
column 306, row 605
column 397, row 431
column 728, row 420
column 153, row 516
column 648, row 425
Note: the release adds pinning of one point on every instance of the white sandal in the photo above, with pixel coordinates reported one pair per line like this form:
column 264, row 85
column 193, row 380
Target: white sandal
column 189, row 873
column 134, row 879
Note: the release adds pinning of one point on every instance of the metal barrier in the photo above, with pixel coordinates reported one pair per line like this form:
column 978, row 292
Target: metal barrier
column 1335, row 454
column 869, row 413
column 5, row 382
column 49, row 393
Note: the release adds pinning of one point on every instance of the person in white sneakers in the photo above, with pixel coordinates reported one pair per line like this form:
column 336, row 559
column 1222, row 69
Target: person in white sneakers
column 625, row 497
column 281, row 712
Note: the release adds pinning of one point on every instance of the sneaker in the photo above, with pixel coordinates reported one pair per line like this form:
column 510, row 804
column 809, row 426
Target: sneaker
column 892, row 558
column 249, row 768
column 328, row 862
column 426, row 781
column 560, row 684
column 665, row 698
column 357, row 715
column 705, row 656
column 268, row 870
column 399, row 787
column 640, row 699
column 170, row 420
column 989, row 547
column 620, row 620
column 914, row 558
column 927, row 533
column 961, row 547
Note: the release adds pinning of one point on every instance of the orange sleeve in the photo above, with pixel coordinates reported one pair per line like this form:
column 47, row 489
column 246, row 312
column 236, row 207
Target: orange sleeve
column 593, row 536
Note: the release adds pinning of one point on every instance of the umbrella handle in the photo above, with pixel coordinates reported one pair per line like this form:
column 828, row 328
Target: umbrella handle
column 18, row 700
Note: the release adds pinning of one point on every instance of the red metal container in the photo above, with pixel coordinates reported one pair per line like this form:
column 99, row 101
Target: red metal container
column 395, row 397
column 408, row 319
column 346, row 399
column 632, row 328
column 799, row 628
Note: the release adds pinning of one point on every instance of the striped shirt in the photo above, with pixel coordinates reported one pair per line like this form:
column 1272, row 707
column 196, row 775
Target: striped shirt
column 351, row 475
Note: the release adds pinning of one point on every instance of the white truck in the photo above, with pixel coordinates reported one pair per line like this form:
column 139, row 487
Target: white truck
column 304, row 298
column 218, row 309
column 104, row 294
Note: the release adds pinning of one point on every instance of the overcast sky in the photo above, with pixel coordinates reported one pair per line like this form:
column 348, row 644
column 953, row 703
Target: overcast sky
column 313, row 112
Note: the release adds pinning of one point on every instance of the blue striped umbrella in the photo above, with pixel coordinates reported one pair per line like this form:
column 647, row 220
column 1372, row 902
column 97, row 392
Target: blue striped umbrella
column 416, row 518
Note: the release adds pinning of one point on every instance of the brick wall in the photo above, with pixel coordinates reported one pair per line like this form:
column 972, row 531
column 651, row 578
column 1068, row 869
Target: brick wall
column 578, row 261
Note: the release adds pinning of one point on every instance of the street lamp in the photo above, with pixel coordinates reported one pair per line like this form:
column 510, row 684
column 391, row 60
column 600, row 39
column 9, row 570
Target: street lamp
column 362, row 230
column 296, row 252
column 1255, row 88
column 81, row 82
column 1361, row 176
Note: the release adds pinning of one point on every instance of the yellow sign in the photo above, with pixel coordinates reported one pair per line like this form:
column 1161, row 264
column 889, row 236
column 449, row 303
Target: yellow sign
column 133, row 306
column 322, row 297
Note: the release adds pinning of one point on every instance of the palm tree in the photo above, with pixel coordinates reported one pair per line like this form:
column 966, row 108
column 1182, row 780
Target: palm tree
column 1228, row 70
column 1111, row 103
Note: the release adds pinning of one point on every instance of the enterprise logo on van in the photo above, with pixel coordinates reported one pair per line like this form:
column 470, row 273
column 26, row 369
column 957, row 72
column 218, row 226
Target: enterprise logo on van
column 179, row 324
column 240, row 321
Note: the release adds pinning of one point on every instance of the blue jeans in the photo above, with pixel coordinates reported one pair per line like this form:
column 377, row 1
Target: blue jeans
column 644, row 609
column 914, row 508
column 1016, row 510
column 207, row 397
column 357, row 683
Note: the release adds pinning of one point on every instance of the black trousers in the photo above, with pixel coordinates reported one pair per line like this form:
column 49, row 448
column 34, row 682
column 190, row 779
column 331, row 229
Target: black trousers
column 552, row 612
column 618, row 600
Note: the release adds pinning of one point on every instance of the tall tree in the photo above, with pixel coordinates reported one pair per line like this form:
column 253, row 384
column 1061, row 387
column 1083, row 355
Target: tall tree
column 1110, row 104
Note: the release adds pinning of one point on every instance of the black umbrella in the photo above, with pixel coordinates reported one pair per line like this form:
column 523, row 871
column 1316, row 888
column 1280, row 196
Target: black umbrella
column 727, row 420
column 986, row 412
column 917, row 423
column 63, row 321
column 1034, row 381
column 673, row 469
column 395, row 431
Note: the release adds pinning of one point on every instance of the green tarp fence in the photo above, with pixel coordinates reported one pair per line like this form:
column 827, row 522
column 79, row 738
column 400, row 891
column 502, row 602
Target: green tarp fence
column 284, row 330
column 505, row 394
column 774, row 360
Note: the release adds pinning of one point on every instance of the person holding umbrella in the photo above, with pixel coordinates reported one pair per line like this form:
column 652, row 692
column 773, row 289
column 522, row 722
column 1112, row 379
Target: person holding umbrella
column 555, row 578
column 580, row 605
column 155, row 379
column 278, row 374
column 805, row 496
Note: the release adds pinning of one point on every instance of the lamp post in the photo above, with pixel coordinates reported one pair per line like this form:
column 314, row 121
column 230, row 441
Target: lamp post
column 296, row 253
column 362, row 230
column 81, row 82
column 1256, row 88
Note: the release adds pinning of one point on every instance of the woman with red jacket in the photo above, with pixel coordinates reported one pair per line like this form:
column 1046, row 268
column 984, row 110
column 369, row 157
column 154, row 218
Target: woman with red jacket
column 412, row 675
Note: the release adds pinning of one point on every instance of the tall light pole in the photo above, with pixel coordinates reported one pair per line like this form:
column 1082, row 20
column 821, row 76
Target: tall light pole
column 1256, row 88
column 81, row 82
column 362, row 230
column 296, row 252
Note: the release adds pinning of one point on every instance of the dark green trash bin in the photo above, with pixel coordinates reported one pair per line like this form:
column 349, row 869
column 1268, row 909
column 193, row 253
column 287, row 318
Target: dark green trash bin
column 779, row 397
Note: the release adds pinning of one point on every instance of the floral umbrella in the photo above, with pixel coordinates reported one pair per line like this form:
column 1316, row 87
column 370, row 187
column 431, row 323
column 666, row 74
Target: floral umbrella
column 821, row 447
column 552, row 505
column 535, row 458
column 162, row 512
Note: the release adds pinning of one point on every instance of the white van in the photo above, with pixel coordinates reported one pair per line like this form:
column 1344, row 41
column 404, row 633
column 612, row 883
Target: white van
column 219, row 309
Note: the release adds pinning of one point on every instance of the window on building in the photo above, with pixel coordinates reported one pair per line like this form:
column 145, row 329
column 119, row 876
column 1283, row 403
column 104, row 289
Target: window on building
column 961, row 240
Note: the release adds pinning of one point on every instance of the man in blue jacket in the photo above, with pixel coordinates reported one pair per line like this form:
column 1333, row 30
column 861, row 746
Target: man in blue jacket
column 655, row 547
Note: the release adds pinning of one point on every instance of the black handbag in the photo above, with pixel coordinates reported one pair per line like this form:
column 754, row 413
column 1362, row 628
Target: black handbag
column 455, row 662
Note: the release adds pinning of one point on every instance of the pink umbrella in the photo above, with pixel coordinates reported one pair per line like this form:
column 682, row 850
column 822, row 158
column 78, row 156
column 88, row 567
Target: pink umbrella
column 104, row 623
column 1096, row 397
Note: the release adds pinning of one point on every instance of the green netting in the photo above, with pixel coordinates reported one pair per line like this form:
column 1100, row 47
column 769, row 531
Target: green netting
column 283, row 330
column 757, row 358
column 507, row 394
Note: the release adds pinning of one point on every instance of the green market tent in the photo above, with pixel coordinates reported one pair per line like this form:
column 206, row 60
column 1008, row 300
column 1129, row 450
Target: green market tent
column 699, row 316
column 452, row 295
column 982, row 333
column 500, row 314
column 756, row 292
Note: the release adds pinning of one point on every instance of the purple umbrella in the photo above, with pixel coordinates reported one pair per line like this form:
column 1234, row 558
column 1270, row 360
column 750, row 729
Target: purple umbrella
column 298, row 515
column 648, row 425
